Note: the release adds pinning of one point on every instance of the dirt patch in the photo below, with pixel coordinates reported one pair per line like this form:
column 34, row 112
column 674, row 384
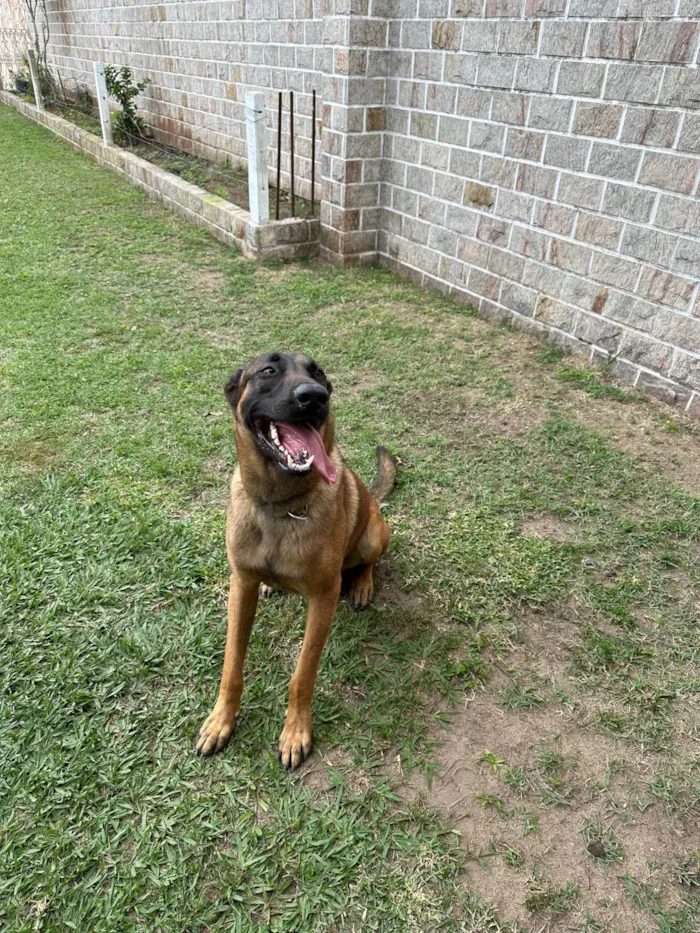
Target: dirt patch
column 549, row 526
column 529, row 790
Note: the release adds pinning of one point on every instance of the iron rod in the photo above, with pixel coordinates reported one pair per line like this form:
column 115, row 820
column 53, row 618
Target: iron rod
column 313, row 151
column 291, row 148
column 279, row 155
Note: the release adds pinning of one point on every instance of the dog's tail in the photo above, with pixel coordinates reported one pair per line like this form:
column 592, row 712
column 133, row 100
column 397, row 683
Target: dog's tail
column 385, row 480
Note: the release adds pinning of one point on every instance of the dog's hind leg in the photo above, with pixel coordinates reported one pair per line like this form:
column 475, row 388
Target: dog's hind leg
column 218, row 727
column 296, row 740
column 373, row 542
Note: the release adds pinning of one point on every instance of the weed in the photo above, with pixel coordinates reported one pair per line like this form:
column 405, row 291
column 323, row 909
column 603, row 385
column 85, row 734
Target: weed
column 549, row 898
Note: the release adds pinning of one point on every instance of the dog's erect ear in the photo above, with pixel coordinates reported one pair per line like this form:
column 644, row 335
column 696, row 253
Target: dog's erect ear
column 231, row 388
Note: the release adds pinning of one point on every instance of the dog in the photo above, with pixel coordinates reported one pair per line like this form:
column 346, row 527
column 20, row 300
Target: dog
column 298, row 519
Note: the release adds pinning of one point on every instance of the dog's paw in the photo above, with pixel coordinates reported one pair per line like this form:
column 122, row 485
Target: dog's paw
column 267, row 591
column 362, row 591
column 295, row 744
column 216, row 731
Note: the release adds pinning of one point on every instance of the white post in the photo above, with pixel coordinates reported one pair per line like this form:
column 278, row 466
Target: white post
column 103, row 102
column 34, row 71
column 258, row 188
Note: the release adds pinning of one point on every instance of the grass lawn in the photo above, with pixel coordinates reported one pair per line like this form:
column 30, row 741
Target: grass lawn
column 537, row 613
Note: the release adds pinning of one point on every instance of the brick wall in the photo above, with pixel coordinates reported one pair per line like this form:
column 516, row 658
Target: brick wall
column 539, row 159
column 202, row 57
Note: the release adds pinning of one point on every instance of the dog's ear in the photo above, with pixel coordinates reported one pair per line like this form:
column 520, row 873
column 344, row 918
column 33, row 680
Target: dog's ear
column 231, row 389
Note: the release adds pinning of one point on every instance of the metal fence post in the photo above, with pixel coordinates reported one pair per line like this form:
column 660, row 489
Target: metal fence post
column 103, row 102
column 34, row 71
column 258, row 188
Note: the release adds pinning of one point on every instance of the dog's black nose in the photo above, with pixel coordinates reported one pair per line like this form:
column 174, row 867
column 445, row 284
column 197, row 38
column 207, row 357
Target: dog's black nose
column 310, row 395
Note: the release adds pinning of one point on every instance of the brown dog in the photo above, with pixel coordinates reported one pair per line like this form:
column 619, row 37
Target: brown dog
column 298, row 517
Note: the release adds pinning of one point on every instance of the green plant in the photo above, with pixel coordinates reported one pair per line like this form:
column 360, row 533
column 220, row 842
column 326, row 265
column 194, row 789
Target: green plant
column 122, row 87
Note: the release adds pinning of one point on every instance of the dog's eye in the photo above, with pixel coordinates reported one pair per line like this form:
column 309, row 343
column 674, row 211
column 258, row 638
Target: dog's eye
column 267, row 371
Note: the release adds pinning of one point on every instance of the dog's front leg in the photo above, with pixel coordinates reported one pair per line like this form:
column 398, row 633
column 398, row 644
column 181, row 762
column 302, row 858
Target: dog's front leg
column 218, row 727
column 296, row 738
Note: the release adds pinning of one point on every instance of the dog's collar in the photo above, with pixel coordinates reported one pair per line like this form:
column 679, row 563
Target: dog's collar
column 300, row 518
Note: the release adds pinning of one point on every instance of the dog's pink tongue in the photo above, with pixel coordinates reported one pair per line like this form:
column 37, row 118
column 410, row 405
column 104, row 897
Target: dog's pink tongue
column 297, row 437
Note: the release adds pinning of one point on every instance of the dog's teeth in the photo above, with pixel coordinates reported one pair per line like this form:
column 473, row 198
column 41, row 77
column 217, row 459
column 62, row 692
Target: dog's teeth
column 273, row 431
column 290, row 462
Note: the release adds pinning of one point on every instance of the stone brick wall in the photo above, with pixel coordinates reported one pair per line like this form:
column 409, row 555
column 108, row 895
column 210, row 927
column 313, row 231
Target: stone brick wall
column 202, row 57
column 542, row 159
column 539, row 159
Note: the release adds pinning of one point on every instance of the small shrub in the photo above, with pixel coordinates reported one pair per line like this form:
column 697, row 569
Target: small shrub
column 122, row 87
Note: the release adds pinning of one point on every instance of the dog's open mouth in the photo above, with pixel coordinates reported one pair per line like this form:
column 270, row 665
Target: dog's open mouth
column 297, row 447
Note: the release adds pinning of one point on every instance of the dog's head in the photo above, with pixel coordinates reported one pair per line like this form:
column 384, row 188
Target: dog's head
column 282, row 401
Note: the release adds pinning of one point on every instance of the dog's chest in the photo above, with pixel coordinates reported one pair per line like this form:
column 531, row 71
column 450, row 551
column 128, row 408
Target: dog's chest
column 274, row 547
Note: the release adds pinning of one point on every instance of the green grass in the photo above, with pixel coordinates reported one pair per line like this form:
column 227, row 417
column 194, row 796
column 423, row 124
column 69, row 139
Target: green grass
column 119, row 325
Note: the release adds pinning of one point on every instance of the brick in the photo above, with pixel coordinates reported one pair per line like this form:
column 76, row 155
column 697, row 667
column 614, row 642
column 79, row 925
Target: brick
column 460, row 69
column 473, row 102
column 671, row 172
column 424, row 125
column 496, row 71
column 649, row 127
column 630, row 202
column 498, row 171
column 505, row 264
column 413, row 94
column 567, row 153
column 480, row 37
column 444, row 241
column 556, row 314
column 614, row 40
column 673, row 43
column 550, row 113
column 597, row 230
column 668, row 289
column 519, row 38
column 681, row 88
column 519, row 299
column 416, row 34
column 544, row 8
column 580, row 79
column 446, row 35
column 570, row 256
column 557, row 218
column 487, row 136
column 563, row 39
column 649, row 245
column 544, row 279
column 640, row 9
column 441, row 97
column 428, row 65
column 533, row 179
column 612, row 161
column 612, row 270
column 681, row 215
column 464, row 163
column 432, row 210
column 473, row 252
column 638, row 348
column 686, row 368
column 582, row 293
column 453, row 130
column 492, row 230
column 635, row 83
column 435, row 155
column 524, row 144
column 690, row 134
column 484, row 284
column 514, row 206
column 529, row 243
column 507, row 9
column 598, row 331
column 449, row 187
column 534, row 74
column 481, row 195
column 597, row 120
column 687, row 259
column 461, row 221
column 467, row 8
column 509, row 108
